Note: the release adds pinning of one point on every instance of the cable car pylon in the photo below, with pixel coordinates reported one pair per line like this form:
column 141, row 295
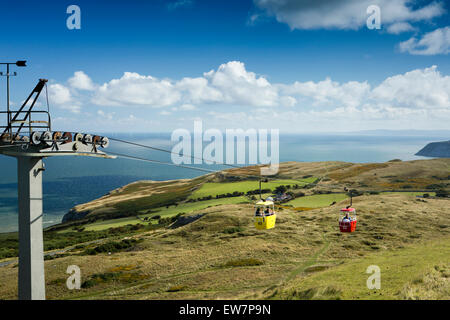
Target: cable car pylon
column 28, row 137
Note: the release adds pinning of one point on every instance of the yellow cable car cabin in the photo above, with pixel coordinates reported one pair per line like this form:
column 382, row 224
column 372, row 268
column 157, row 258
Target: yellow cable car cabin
column 265, row 216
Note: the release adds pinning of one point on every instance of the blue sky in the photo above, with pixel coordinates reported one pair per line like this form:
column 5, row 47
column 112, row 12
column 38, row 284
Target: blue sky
column 269, row 61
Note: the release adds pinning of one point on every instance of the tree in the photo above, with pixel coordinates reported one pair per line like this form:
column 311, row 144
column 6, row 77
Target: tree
column 354, row 193
column 442, row 193
column 280, row 189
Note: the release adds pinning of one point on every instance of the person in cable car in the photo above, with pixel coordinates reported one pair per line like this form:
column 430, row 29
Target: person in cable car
column 347, row 218
column 266, row 217
column 347, row 222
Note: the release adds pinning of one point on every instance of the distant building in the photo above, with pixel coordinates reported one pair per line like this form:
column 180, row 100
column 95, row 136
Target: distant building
column 282, row 197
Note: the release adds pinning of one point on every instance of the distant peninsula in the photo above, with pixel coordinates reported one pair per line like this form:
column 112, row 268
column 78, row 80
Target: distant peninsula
column 436, row 149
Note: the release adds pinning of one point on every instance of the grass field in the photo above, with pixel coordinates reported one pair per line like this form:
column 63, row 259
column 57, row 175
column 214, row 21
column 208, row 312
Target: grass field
column 323, row 200
column 417, row 272
column 412, row 193
column 214, row 188
column 317, row 200
column 165, row 212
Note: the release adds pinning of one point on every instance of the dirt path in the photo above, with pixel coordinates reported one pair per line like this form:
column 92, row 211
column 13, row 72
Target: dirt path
column 311, row 261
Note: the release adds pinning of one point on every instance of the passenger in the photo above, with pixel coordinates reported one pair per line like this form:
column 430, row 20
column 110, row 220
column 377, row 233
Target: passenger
column 266, row 212
column 258, row 212
column 347, row 218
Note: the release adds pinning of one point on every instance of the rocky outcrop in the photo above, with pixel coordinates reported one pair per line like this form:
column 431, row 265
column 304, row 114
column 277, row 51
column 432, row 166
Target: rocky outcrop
column 436, row 150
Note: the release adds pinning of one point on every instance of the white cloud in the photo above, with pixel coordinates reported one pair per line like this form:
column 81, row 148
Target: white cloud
column 237, row 85
column 288, row 101
column 74, row 108
column 344, row 14
column 106, row 115
column 81, row 81
column 328, row 92
column 135, row 89
column 231, row 83
column 231, row 91
column 399, row 27
column 59, row 94
column 188, row 107
column 431, row 43
column 418, row 89
column 198, row 90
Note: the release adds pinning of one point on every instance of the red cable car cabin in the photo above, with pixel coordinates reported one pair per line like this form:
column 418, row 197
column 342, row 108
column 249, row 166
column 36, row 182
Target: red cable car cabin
column 347, row 220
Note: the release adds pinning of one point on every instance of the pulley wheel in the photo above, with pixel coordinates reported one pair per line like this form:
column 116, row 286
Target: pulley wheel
column 5, row 137
column 46, row 138
column 35, row 138
column 87, row 138
column 78, row 137
column 104, row 142
column 96, row 140
column 67, row 137
column 57, row 136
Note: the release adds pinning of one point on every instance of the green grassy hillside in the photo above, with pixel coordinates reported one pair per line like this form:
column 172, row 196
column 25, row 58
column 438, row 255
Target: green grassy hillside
column 222, row 256
column 216, row 188
column 317, row 200
column 419, row 271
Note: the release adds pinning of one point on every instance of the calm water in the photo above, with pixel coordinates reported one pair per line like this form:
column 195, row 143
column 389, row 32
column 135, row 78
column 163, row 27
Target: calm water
column 71, row 181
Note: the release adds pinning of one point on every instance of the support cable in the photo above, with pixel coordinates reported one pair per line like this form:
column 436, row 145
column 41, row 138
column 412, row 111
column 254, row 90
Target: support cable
column 190, row 156
column 161, row 162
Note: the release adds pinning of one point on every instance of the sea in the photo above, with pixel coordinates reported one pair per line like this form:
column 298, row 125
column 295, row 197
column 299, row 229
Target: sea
column 69, row 181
